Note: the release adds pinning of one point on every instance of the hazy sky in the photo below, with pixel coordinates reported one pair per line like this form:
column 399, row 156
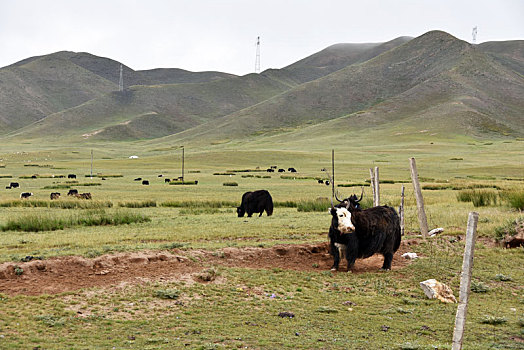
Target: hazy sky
column 200, row 35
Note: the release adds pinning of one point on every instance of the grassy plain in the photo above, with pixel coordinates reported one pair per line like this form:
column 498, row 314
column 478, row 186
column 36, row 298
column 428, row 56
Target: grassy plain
column 336, row 311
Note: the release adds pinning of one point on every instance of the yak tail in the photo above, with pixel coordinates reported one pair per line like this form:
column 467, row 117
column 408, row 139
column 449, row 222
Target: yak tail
column 269, row 208
column 397, row 235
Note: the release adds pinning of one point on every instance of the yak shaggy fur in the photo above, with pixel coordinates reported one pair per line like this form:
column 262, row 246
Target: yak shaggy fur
column 370, row 231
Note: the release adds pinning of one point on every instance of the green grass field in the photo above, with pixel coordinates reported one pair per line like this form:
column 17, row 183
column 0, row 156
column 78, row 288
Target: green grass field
column 240, row 307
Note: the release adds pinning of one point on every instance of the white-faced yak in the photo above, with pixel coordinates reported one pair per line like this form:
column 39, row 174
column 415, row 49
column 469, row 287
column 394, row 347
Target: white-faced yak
column 255, row 202
column 361, row 233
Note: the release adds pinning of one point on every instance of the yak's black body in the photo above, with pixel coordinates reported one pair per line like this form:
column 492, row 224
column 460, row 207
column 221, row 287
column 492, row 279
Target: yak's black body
column 377, row 230
column 255, row 202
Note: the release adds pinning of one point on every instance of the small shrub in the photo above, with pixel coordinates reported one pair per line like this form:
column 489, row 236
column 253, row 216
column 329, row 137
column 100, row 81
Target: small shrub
column 327, row 310
column 184, row 182
column 493, row 320
column 37, row 223
column 208, row 275
column 514, row 198
column 507, row 229
column 56, row 187
column 169, row 293
column 285, row 204
column 225, row 174
column 502, row 278
column 230, row 183
column 199, row 204
column 314, row 205
column 479, row 198
column 52, row 321
column 18, row 270
column 478, row 287
column 138, row 204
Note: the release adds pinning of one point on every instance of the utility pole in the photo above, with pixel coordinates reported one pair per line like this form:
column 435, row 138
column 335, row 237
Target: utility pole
column 257, row 58
column 91, row 163
column 183, row 163
column 121, row 81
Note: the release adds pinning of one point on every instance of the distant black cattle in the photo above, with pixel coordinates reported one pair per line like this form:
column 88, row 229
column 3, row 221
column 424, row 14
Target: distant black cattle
column 167, row 180
column 7, row 187
column 25, row 195
column 196, row 182
column 55, row 195
column 362, row 233
column 71, row 176
column 145, row 182
column 326, row 182
column 160, row 175
column 320, row 181
column 255, row 202
column 72, row 192
column 33, row 176
column 292, row 170
column 270, row 170
column 281, row 170
column 273, row 167
column 138, row 179
column 14, row 185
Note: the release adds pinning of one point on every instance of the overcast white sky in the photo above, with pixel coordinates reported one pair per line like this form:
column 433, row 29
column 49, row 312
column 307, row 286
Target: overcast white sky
column 200, row 35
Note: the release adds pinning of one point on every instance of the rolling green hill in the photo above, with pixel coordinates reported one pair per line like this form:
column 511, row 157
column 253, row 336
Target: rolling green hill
column 433, row 82
column 161, row 102
column 40, row 86
column 435, row 79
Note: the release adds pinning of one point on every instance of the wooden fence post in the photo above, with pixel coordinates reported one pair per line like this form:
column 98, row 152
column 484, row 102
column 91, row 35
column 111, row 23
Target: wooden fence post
column 372, row 180
column 377, row 189
column 465, row 281
column 401, row 211
column 422, row 219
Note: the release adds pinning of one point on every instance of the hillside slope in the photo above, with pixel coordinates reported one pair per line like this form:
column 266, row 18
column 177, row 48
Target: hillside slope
column 40, row 86
column 425, row 74
column 153, row 106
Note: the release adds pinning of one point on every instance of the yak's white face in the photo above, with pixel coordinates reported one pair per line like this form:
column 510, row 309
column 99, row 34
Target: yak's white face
column 344, row 220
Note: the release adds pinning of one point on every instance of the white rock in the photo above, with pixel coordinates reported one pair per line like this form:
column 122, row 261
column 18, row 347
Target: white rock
column 410, row 255
column 435, row 231
column 436, row 290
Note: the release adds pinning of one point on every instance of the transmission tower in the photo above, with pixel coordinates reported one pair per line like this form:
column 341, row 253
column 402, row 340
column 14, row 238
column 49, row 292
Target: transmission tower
column 474, row 34
column 257, row 59
column 121, row 81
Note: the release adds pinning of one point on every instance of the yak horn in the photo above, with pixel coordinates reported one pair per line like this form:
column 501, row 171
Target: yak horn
column 361, row 195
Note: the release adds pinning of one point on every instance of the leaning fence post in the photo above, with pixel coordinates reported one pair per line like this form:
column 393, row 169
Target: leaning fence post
column 465, row 281
column 401, row 211
column 372, row 180
column 422, row 219
column 377, row 189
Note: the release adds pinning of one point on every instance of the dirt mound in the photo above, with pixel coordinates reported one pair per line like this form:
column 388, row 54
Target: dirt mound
column 69, row 273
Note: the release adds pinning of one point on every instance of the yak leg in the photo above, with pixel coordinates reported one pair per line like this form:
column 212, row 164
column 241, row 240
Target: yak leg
column 336, row 255
column 388, row 257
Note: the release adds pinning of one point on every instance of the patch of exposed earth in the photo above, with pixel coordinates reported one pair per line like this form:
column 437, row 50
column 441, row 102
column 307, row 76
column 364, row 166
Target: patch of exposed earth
column 62, row 274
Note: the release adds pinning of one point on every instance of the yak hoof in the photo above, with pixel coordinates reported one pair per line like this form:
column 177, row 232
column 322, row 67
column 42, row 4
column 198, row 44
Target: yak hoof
column 334, row 268
column 383, row 269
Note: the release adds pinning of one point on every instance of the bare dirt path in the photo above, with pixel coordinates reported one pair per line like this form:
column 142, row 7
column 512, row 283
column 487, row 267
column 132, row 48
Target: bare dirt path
column 70, row 273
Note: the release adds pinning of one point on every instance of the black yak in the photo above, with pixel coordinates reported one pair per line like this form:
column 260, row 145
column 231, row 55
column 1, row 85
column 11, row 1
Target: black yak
column 255, row 202
column 362, row 233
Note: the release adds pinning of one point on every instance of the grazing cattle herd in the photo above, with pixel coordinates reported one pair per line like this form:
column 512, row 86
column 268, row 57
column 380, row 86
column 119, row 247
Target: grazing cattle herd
column 354, row 232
